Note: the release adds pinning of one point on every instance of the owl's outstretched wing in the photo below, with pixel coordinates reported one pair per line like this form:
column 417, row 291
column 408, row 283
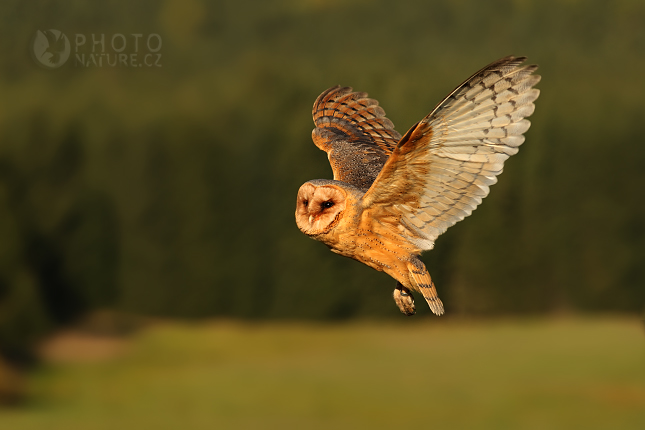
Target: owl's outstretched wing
column 442, row 168
column 354, row 132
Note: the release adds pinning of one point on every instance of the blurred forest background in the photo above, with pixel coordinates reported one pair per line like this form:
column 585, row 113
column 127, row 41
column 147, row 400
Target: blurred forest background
column 170, row 191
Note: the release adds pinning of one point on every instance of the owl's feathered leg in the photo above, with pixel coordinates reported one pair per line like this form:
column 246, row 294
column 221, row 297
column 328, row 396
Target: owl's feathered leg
column 423, row 283
column 404, row 300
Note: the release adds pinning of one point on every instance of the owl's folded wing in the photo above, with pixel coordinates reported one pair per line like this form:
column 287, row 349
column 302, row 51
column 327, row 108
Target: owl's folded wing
column 442, row 168
column 355, row 133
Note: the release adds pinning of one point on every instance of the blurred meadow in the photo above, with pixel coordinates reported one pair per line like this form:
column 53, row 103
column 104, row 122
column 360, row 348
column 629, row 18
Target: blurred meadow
column 164, row 191
column 460, row 374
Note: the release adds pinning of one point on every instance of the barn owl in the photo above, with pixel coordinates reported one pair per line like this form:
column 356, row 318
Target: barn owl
column 392, row 196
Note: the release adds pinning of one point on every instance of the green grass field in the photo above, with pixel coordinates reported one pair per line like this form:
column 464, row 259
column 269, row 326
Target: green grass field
column 426, row 373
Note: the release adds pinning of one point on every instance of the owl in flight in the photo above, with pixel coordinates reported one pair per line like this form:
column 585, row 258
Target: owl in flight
column 392, row 196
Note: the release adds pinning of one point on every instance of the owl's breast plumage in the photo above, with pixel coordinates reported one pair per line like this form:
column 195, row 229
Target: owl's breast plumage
column 341, row 239
column 377, row 244
column 380, row 248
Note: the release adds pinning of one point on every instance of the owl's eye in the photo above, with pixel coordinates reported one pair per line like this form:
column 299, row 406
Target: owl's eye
column 326, row 205
column 305, row 202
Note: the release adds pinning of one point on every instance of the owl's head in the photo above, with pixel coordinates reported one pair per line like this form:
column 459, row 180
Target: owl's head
column 319, row 206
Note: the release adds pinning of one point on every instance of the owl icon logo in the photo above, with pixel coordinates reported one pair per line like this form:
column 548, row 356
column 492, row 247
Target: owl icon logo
column 50, row 48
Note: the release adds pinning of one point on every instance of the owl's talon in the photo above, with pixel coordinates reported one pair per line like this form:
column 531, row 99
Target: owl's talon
column 404, row 300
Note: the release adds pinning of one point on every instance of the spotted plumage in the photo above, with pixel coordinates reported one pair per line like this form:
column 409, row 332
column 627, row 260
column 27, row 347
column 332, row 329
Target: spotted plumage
column 392, row 196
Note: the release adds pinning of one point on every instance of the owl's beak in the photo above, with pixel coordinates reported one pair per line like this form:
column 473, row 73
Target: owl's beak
column 311, row 219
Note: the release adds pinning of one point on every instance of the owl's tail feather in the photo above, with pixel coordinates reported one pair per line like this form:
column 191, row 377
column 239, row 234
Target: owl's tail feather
column 423, row 283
